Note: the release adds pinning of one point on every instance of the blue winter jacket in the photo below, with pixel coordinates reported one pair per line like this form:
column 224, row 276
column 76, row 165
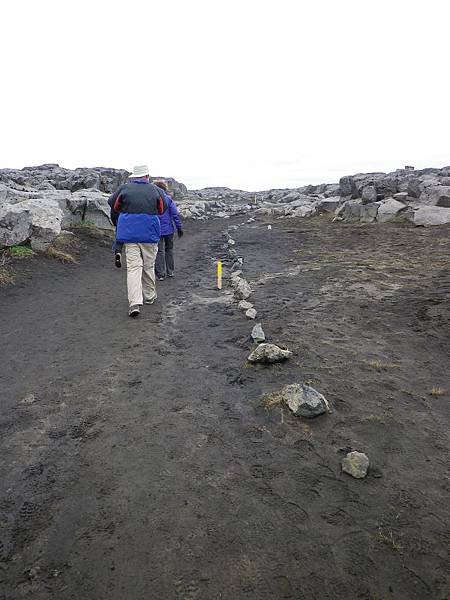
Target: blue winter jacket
column 170, row 218
column 135, row 207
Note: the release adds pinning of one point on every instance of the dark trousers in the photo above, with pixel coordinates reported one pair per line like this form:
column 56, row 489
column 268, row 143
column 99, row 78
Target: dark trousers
column 164, row 259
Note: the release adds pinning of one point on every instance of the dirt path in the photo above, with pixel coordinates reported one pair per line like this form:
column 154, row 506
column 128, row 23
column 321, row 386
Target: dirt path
column 137, row 461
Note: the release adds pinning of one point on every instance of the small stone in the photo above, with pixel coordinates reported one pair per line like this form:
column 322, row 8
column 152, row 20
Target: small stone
column 304, row 401
column 269, row 353
column 231, row 242
column 258, row 334
column 356, row 464
column 250, row 313
column 235, row 275
column 28, row 399
column 244, row 305
column 242, row 289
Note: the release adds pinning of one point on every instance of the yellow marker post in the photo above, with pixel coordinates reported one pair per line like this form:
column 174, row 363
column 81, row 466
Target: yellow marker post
column 219, row 274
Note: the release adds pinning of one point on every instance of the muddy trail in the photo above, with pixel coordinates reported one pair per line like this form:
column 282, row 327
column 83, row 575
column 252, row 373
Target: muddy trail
column 138, row 462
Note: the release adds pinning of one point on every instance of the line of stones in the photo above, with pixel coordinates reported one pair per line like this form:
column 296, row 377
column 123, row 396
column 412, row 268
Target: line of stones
column 302, row 399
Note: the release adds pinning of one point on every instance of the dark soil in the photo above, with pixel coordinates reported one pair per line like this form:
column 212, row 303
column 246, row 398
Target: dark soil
column 138, row 462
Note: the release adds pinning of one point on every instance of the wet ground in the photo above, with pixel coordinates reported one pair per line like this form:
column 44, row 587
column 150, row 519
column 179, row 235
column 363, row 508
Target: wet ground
column 139, row 463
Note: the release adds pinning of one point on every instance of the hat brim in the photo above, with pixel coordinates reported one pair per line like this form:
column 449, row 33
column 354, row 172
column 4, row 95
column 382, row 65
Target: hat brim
column 133, row 176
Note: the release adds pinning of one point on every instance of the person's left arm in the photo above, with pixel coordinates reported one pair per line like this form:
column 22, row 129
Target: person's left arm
column 175, row 215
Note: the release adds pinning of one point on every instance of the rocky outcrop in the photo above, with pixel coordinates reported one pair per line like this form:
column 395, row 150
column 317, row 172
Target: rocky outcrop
column 420, row 197
column 52, row 176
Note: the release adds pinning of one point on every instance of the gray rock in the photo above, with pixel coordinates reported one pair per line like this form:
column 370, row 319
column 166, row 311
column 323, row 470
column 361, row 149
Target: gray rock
column 91, row 206
column 251, row 313
column 244, row 305
column 242, row 290
column 15, row 226
column 269, row 353
column 258, row 334
column 356, row 464
column 36, row 220
column 329, row 204
column 429, row 215
column 231, row 242
column 438, row 195
column 304, row 401
column 369, row 194
column 304, row 211
column 388, row 209
column 401, row 196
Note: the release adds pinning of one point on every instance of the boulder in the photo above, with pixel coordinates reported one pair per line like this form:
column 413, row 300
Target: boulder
column 356, row 464
column 15, row 226
column 36, row 220
column 251, row 313
column 401, row 196
column 91, row 206
column 329, row 204
column 369, row 194
column 303, row 400
column 354, row 210
column 347, row 187
column 258, row 334
column 429, row 215
column 388, row 209
column 269, row 353
column 304, row 211
column 437, row 195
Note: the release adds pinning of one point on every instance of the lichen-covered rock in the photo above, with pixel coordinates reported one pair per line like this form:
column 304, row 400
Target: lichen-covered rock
column 356, row 464
column 304, row 401
column 251, row 313
column 269, row 353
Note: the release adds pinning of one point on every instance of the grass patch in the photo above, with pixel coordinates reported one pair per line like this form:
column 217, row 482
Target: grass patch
column 20, row 252
column 65, row 240
column 387, row 538
column 6, row 277
column 379, row 365
column 438, row 391
column 375, row 419
column 272, row 400
column 60, row 255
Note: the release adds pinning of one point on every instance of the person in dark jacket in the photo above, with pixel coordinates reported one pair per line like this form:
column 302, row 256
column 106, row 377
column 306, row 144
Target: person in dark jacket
column 169, row 221
column 135, row 209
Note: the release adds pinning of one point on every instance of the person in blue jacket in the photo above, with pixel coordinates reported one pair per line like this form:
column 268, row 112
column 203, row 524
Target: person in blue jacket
column 135, row 210
column 169, row 220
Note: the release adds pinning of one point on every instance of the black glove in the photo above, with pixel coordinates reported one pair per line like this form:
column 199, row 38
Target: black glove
column 180, row 233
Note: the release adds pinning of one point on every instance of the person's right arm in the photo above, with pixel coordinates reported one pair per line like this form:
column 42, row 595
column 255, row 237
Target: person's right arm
column 114, row 202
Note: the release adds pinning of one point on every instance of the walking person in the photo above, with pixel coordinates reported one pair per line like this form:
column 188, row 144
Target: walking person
column 169, row 220
column 135, row 207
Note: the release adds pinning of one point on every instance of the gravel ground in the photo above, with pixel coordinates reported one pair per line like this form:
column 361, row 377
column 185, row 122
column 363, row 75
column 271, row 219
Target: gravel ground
column 139, row 462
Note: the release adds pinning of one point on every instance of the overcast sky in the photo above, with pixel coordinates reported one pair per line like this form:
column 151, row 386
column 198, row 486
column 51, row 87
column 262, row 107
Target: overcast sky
column 243, row 93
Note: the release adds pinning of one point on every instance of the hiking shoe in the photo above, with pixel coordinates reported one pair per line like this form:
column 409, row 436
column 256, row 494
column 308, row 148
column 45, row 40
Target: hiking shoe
column 134, row 311
column 160, row 277
column 150, row 300
column 170, row 274
column 118, row 260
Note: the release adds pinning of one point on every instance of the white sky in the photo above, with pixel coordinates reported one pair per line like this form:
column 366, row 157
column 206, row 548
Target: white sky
column 242, row 93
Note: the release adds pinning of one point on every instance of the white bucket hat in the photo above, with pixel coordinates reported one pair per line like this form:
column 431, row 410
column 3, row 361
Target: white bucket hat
column 140, row 171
